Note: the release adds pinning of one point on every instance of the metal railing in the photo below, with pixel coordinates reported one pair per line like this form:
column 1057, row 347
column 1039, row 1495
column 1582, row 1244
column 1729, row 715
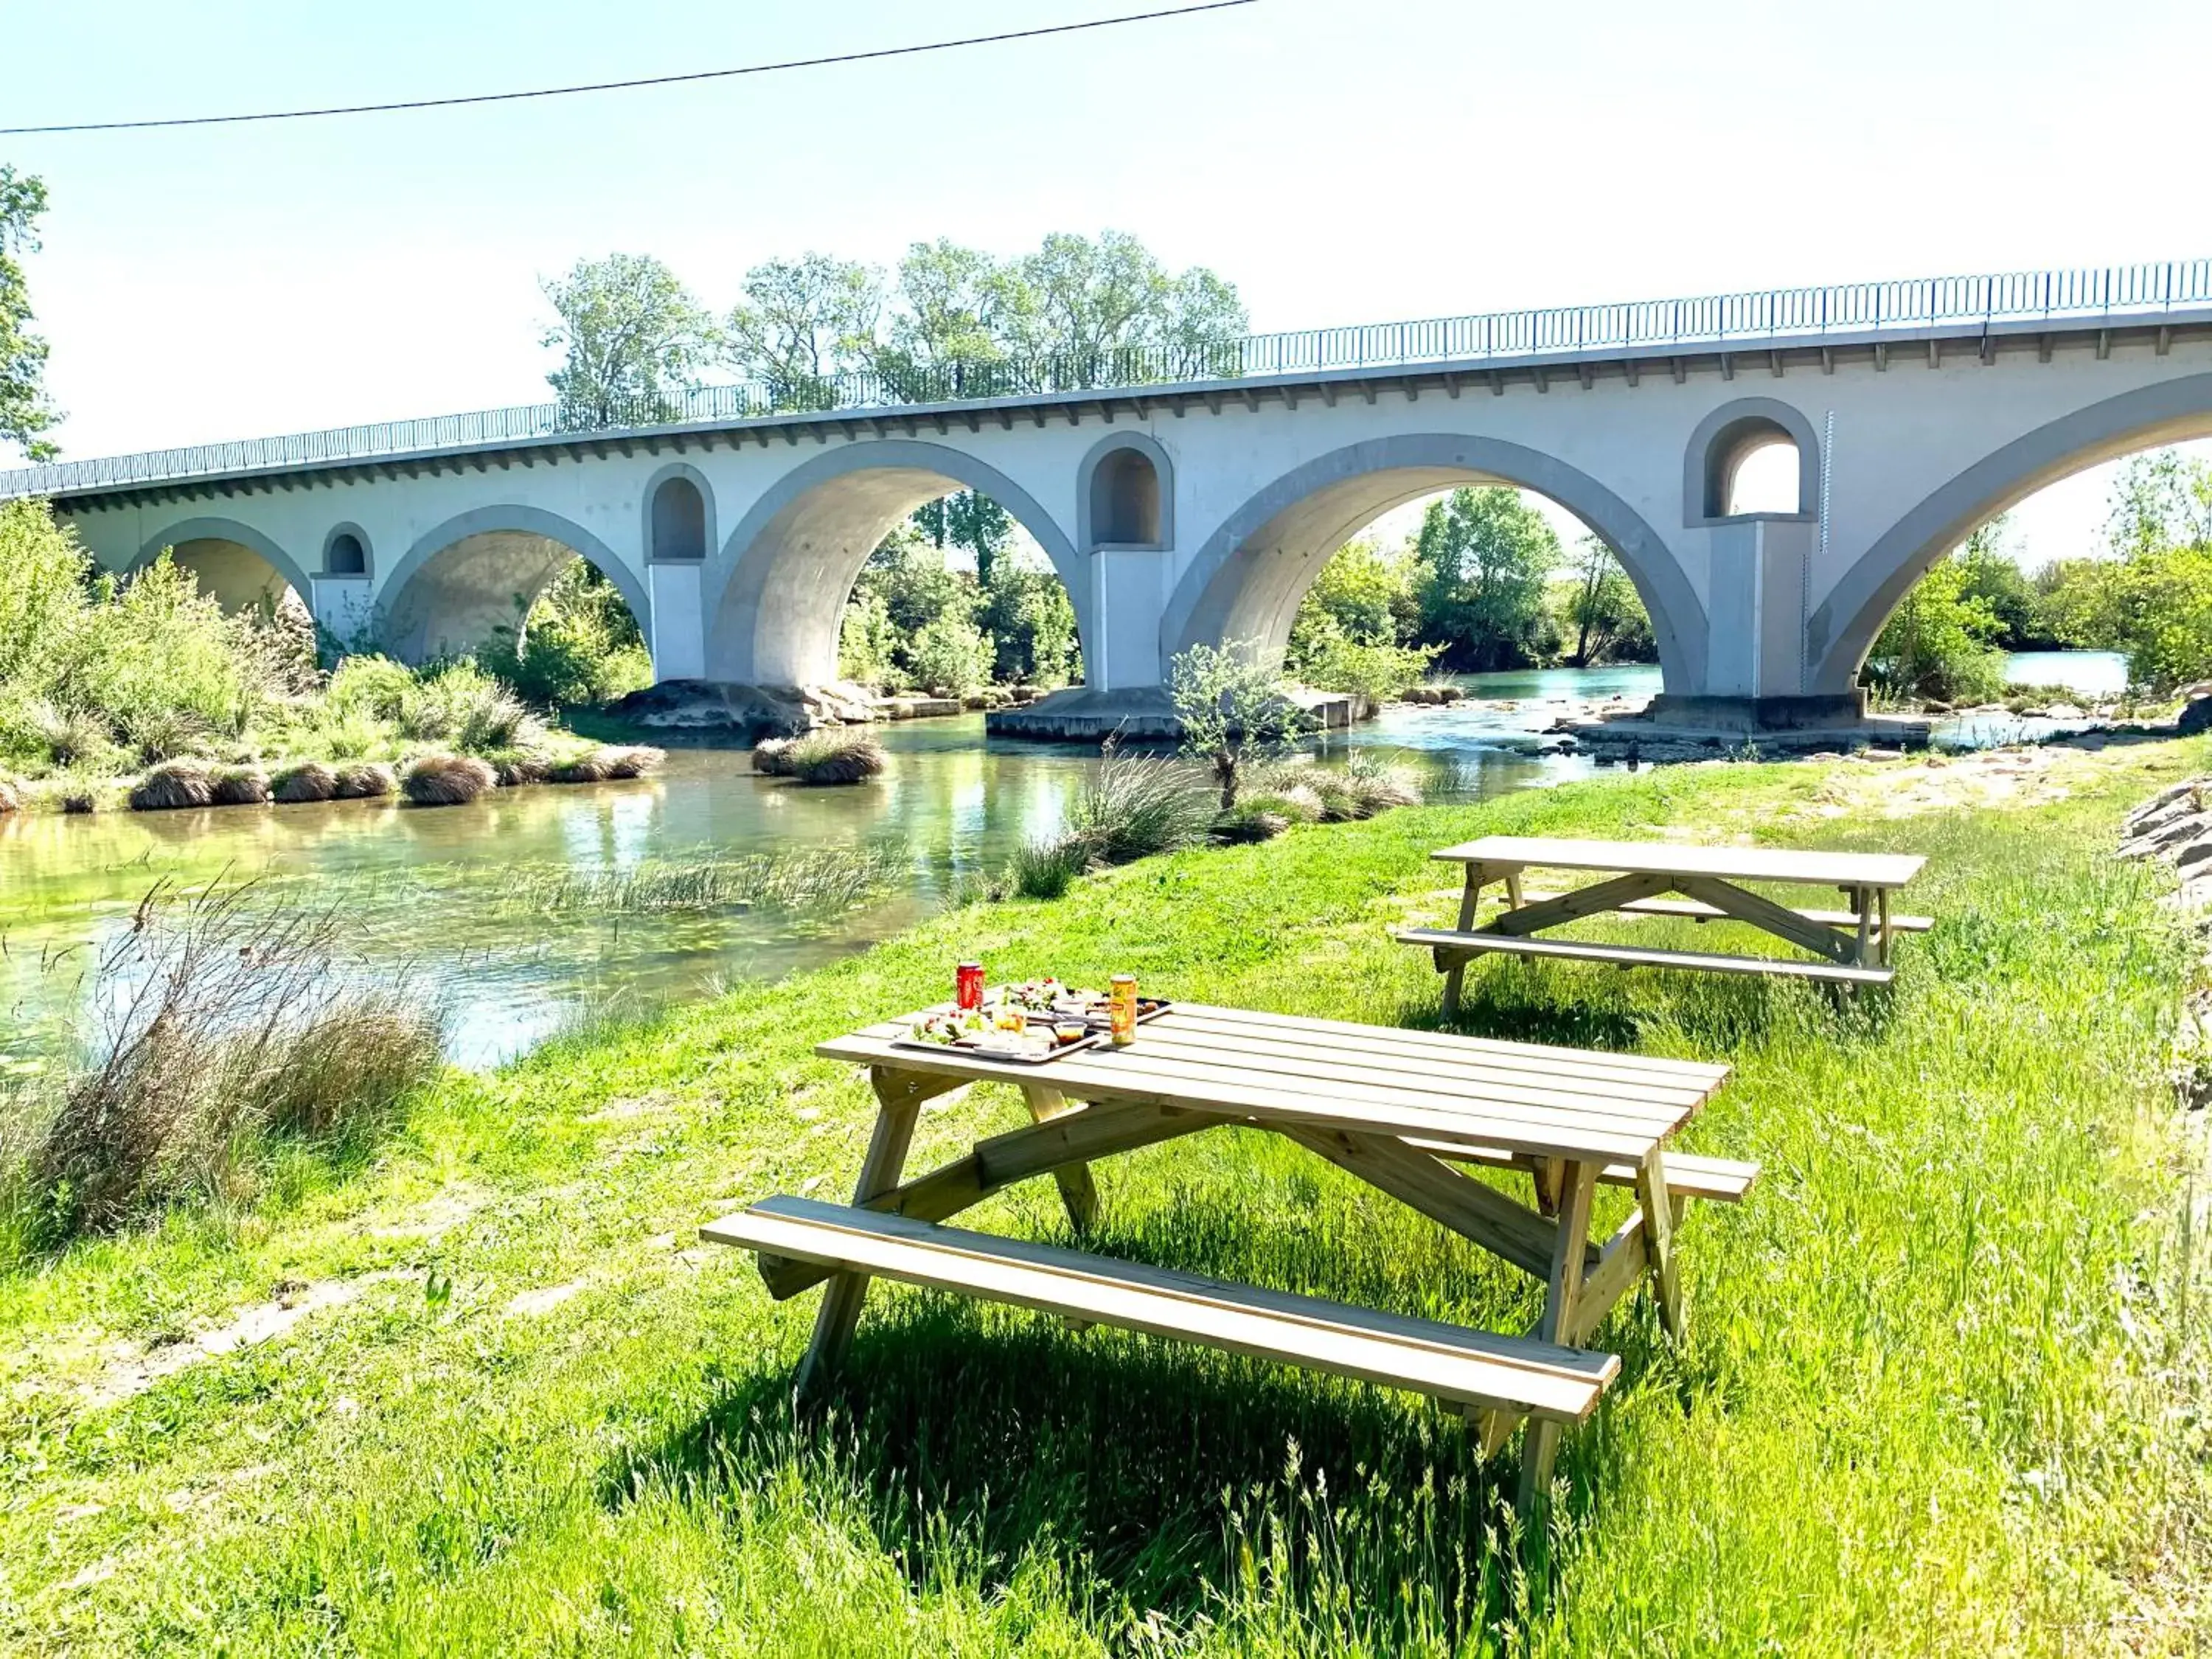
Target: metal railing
column 1777, row 314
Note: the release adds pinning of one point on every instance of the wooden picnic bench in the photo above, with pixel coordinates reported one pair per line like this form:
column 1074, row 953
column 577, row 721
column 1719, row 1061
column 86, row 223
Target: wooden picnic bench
column 1400, row 1110
column 1851, row 946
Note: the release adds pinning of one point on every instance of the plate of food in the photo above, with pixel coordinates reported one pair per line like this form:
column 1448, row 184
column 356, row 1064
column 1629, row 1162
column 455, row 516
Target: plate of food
column 1028, row 1025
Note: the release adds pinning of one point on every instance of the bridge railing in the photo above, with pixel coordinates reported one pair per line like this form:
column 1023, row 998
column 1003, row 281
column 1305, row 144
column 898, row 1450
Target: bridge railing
column 1781, row 313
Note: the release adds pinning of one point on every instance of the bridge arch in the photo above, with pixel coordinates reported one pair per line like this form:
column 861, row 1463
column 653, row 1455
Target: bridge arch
column 480, row 570
column 1839, row 634
column 777, row 595
column 1247, row 580
column 234, row 562
column 1725, row 439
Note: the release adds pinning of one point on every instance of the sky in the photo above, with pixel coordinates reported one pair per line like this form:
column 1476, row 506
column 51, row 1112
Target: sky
column 1340, row 163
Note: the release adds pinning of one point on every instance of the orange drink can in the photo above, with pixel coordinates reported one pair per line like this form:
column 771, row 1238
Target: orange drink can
column 1122, row 1009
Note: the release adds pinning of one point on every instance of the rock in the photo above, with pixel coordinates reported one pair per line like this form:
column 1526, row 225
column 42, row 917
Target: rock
column 2195, row 716
column 2176, row 801
column 979, row 700
column 1882, row 754
column 2064, row 711
column 2195, row 853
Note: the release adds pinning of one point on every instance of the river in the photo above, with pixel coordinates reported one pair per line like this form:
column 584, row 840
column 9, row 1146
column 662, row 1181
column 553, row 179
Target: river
column 446, row 894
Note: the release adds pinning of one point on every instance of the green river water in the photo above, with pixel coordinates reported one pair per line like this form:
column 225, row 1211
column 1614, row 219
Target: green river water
column 445, row 895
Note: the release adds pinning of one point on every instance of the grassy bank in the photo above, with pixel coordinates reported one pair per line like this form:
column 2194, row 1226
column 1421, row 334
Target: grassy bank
column 1943, row 1392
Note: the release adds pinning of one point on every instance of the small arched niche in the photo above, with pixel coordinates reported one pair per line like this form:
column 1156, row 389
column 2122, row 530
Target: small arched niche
column 678, row 524
column 1127, row 494
column 346, row 553
column 1755, row 459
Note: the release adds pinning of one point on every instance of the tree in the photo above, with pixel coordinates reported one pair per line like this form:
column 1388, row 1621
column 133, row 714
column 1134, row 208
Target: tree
column 1937, row 643
column 634, row 341
column 1991, row 574
column 2161, row 500
column 1090, row 307
column 948, row 327
column 1486, row 555
column 1232, row 709
column 965, row 519
column 802, row 323
column 1604, row 612
column 25, row 409
column 1026, row 611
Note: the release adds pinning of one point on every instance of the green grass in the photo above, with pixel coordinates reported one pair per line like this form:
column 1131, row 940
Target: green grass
column 1941, row 1394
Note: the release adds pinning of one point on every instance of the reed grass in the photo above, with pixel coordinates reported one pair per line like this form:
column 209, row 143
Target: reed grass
column 792, row 880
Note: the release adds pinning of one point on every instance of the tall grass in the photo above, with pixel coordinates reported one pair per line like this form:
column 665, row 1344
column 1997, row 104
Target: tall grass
column 798, row 880
column 1135, row 806
column 222, row 1022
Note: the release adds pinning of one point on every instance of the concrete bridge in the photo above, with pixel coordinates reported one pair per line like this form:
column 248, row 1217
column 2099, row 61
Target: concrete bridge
column 1201, row 509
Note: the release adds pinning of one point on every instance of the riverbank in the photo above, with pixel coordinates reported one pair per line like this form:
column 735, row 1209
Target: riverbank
column 485, row 1392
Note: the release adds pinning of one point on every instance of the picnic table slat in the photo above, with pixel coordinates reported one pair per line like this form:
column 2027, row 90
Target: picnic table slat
column 1631, row 955
column 1137, row 1073
column 1669, row 858
column 1466, row 1367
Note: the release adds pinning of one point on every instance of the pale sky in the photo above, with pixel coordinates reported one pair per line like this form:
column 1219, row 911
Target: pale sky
column 1338, row 162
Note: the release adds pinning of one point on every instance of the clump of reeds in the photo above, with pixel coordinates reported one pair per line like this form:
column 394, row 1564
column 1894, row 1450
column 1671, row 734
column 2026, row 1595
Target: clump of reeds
column 79, row 799
column 172, row 786
column 633, row 760
column 833, row 757
column 591, row 766
column 520, row 768
column 303, row 781
column 365, row 780
column 241, row 785
column 1381, row 784
column 772, row 757
column 447, row 780
column 221, row 1023
column 1249, row 820
column 1046, row 868
column 800, row 880
column 1135, row 806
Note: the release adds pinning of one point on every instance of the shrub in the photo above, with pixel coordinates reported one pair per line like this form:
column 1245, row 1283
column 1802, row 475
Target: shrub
column 835, row 757
column 446, row 780
column 158, row 732
column 1937, row 642
column 1250, row 820
column 79, row 799
column 1046, row 869
column 364, row 780
column 241, row 785
column 2157, row 607
column 173, row 786
column 1135, row 805
column 368, row 688
column 305, row 780
column 1232, row 708
column 578, row 644
column 64, row 736
column 1335, row 661
column 951, row 658
column 1380, row 784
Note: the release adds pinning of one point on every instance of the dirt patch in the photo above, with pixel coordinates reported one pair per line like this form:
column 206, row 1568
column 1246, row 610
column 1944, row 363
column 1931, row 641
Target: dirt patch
column 132, row 1367
column 1939, row 783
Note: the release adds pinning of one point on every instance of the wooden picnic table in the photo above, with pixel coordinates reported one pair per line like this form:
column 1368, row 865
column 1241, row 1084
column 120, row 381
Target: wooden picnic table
column 1403, row 1111
column 1851, row 946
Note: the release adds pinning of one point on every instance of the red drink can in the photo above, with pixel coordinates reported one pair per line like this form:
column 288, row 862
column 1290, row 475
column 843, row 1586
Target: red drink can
column 967, row 987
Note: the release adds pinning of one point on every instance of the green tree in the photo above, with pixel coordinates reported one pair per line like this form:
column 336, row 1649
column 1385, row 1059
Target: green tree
column 26, row 412
column 1486, row 555
column 1092, row 304
column 2157, row 607
column 802, row 323
column 952, row 657
column 1937, row 644
column 1991, row 574
column 633, row 340
column 2162, row 500
column 1026, row 612
column 948, row 326
column 1232, row 709
column 1365, row 592
column 966, row 518
column 916, row 583
column 1602, row 611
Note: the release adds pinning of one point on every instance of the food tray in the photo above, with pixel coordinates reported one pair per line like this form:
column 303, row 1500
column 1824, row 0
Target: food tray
column 1101, row 1032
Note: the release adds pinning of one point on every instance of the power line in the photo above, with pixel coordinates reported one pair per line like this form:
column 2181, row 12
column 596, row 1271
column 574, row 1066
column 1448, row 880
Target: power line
column 624, row 86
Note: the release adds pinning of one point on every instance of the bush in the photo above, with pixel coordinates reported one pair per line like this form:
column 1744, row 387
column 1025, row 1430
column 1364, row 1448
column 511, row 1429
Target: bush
column 1334, row 662
column 446, row 780
column 2157, row 608
column 1381, row 784
column 459, row 704
column 578, row 644
column 364, row 780
column 1232, row 708
column 1046, row 869
column 174, row 786
column 241, row 785
column 1135, row 805
column 369, row 689
column 949, row 658
column 1295, row 803
column 307, row 780
column 835, row 757
column 1936, row 645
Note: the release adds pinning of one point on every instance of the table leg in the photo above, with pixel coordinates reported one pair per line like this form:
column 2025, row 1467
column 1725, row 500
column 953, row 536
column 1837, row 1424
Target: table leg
column 1659, row 1241
column 1548, row 1173
column 1578, row 1182
column 898, row 1098
column 1470, row 897
column 1881, row 899
column 1861, row 901
column 1077, row 1190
